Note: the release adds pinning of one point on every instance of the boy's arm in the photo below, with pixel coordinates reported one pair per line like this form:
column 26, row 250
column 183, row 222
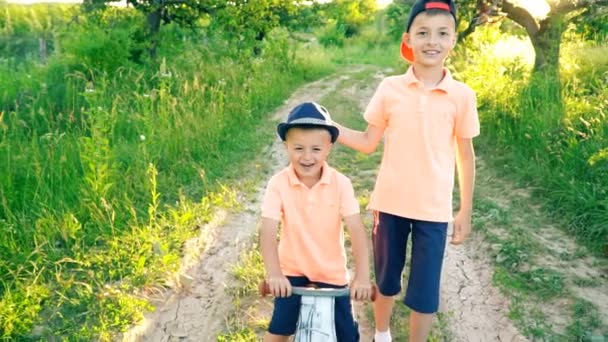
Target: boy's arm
column 365, row 142
column 278, row 284
column 465, row 162
column 361, row 286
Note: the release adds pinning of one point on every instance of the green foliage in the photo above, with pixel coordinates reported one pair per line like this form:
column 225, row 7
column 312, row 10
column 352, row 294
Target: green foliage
column 396, row 17
column 254, row 19
column 184, row 13
column 333, row 34
column 108, row 164
column 344, row 19
column 250, row 271
column 555, row 144
column 592, row 25
column 541, row 282
column 350, row 15
column 20, row 307
column 24, row 30
column 308, row 18
column 587, row 323
column 109, row 44
column 243, row 335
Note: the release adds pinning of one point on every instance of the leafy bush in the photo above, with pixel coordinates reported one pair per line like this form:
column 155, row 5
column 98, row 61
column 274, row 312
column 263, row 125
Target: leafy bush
column 396, row 17
column 333, row 34
column 25, row 30
column 104, row 43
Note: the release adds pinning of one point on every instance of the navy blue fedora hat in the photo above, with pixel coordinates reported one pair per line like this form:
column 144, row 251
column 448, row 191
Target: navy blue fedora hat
column 308, row 114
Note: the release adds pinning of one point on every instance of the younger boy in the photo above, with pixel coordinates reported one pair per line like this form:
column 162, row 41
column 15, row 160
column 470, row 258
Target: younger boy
column 428, row 121
column 310, row 199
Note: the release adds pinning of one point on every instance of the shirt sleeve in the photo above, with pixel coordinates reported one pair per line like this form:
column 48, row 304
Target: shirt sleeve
column 272, row 203
column 375, row 113
column 467, row 121
column 348, row 202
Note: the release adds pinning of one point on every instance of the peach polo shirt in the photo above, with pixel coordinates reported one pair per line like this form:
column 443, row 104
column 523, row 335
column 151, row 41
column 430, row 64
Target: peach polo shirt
column 416, row 175
column 311, row 237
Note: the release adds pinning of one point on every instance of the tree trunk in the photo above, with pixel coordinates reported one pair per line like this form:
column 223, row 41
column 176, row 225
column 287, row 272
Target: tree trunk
column 547, row 43
column 259, row 38
column 153, row 20
column 42, row 50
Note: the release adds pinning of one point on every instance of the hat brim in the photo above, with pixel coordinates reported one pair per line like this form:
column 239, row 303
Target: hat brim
column 407, row 53
column 283, row 127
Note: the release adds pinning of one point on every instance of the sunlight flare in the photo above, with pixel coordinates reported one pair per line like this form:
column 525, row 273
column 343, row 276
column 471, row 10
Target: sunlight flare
column 538, row 8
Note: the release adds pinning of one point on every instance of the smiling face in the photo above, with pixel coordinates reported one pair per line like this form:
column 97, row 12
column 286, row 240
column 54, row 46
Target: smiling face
column 308, row 150
column 431, row 37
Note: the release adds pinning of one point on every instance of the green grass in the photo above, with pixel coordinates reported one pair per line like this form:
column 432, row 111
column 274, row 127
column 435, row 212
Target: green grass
column 244, row 324
column 589, row 323
column 98, row 195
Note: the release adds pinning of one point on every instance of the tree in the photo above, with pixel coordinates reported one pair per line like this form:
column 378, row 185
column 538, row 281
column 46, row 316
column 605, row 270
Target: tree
column 242, row 16
column 544, row 27
column 396, row 17
column 158, row 12
column 252, row 20
column 351, row 15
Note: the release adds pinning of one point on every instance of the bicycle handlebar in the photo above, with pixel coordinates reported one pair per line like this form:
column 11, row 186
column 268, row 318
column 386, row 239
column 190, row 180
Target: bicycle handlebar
column 264, row 290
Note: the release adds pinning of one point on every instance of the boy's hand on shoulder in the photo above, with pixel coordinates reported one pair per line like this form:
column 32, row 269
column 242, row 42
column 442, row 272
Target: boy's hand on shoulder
column 361, row 289
column 279, row 286
column 462, row 227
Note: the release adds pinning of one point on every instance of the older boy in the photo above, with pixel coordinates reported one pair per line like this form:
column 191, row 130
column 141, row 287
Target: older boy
column 428, row 121
column 310, row 199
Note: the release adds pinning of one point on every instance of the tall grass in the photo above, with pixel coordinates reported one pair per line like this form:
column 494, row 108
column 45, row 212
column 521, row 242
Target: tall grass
column 557, row 145
column 105, row 170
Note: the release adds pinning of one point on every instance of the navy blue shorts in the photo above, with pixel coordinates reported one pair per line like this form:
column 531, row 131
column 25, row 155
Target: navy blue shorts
column 390, row 237
column 287, row 309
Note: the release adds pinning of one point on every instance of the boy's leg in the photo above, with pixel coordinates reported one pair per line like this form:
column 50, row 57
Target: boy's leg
column 420, row 326
column 383, row 308
column 347, row 329
column 389, row 239
column 428, row 246
column 285, row 314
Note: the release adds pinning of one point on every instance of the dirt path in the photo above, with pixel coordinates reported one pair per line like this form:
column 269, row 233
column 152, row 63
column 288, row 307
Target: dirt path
column 476, row 310
column 520, row 230
column 198, row 307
